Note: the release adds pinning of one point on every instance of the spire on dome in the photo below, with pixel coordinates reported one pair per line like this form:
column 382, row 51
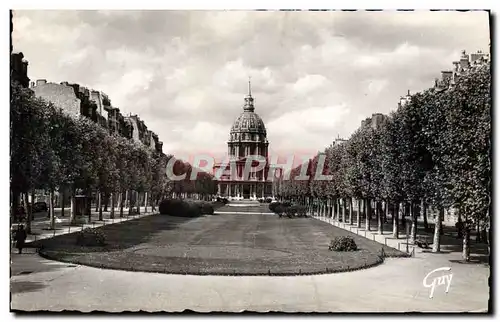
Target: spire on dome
column 249, row 86
column 249, row 99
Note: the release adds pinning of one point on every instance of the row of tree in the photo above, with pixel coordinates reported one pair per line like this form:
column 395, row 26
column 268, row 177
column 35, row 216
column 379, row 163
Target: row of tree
column 433, row 153
column 56, row 152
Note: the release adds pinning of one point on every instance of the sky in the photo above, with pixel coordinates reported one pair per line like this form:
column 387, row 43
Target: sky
column 315, row 75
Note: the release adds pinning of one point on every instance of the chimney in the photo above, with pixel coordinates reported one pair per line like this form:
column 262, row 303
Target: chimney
column 464, row 60
column 41, row 82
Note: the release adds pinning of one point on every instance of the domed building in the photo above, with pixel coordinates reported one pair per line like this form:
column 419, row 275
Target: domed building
column 247, row 145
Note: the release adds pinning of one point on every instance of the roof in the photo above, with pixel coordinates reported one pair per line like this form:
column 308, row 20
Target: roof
column 248, row 122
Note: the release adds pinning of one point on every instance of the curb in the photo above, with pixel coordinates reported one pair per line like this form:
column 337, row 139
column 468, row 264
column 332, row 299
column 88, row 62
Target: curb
column 377, row 262
column 412, row 248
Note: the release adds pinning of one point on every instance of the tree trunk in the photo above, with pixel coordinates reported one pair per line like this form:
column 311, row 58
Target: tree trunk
column 106, row 201
column 28, row 213
column 368, row 214
column 339, row 209
column 119, row 197
column 351, row 219
column 126, row 199
column 484, row 235
column 424, row 214
column 358, row 214
column 138, row 203
column 488, row 232
column 383, row 206
column 112, row 210
column 436, row 244
column 460, row 224
column 395, row 220
column 32, row 203
column 478, row 232
column 14, row 204
column 344, row 208
column 99, row 205
column 441, row 232
column 73, row 206
column 130, row 208
column 403, row 215
column 146, row 201
column 52, row 224
column 369, row 209
column 414, row 217
column 63, row 195
column 122, row 201
column 379, row 218
column 466, row 242
column 386, row 210
column 154, row 197
column 72, row 216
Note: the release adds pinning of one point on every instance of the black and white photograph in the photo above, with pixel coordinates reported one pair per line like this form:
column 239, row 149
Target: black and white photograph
column 289, row 161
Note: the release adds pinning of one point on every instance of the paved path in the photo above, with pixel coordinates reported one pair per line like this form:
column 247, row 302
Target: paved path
column 395, row 286
column 40, row 225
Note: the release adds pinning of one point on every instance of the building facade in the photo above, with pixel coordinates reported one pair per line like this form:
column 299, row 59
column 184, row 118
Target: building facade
column 248, row 147
column 466, row 61
column 139, row 133
column 375, row 121
column 72, row 99
column 76, row 100
column 19, row 69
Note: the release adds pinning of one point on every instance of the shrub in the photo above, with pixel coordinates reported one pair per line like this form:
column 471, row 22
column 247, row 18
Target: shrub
column 223, row 200
column 273, row 206
column 170, row 206
column 268, row 200
column 291, row 210
column 90, row 237
column 182, row 208
column 343, row 244
column 302, row 211
column 206, row 208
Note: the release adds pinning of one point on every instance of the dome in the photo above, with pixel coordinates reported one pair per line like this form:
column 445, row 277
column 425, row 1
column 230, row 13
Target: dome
column 248, row 122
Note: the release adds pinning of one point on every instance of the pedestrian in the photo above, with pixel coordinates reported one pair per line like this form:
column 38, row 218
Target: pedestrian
column 20, row 238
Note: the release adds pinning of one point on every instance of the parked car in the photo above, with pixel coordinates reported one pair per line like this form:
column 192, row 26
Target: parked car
column 40, row 206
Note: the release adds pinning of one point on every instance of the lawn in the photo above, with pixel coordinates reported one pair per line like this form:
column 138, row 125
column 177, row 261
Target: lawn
column 225, row 244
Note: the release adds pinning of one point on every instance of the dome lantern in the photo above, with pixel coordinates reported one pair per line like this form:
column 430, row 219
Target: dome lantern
column 248, row 107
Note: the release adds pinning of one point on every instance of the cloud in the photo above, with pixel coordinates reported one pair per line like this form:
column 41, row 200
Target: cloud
column 308, row 129
column 315, row 75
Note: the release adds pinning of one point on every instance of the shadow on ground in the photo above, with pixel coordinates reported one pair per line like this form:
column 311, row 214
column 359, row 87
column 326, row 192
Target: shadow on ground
column 25, row 286
column 118, row 236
